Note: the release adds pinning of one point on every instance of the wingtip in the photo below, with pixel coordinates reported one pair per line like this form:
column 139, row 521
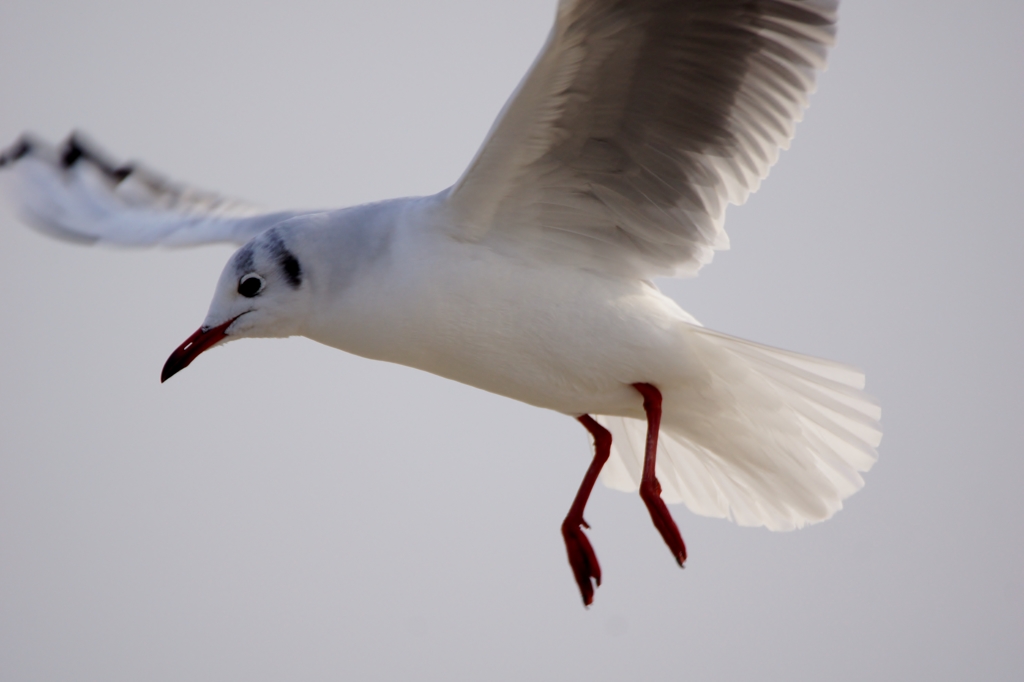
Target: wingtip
column 21, row 147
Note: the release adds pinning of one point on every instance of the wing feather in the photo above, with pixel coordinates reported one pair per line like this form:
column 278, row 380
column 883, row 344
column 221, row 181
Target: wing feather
column 639, row 122
column 77, row 193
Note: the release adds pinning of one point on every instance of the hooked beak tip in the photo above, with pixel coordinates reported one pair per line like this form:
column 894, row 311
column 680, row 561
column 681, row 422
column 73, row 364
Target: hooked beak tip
column 194, row 345
column 169, row 370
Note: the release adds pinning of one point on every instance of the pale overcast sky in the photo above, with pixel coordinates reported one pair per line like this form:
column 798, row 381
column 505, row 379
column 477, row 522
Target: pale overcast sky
column 285, row 511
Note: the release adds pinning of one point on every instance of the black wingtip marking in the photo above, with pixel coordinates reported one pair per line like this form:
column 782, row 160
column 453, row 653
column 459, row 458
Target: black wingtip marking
column 71, row 153
column 75, row 149
column 122, row 172
column 16, row 151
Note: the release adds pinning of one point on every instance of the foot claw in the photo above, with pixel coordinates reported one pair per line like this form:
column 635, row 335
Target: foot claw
column 665, row 524
column 582, row 559
column 650, row 488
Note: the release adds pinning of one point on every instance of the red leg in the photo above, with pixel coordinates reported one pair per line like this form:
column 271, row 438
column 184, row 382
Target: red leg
column 650, row 489
column 581, row 554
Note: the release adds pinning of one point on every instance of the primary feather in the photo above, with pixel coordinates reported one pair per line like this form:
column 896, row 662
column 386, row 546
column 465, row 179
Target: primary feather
column 637, row 125
column 77, row 193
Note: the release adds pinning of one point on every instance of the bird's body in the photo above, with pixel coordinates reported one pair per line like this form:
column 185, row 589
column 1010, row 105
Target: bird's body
column 531, row 277
column 387, row 281
column 561, row 338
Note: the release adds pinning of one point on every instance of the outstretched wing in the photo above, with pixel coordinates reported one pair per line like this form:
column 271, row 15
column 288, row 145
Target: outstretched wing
column 638, row 123
column 76, row 193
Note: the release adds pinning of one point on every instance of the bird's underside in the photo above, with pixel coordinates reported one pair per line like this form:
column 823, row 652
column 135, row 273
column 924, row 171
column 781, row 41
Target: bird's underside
column 637, row 125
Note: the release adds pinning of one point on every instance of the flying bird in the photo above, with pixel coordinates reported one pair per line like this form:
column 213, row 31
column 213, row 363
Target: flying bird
column 612, row 163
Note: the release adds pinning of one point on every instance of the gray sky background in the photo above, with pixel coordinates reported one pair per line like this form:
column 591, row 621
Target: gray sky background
column 284, row 511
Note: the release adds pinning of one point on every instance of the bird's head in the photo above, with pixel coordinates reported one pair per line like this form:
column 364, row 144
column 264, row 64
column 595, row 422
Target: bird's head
column 263, row 292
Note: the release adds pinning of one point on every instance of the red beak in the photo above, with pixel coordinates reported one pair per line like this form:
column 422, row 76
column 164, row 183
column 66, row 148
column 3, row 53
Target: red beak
column 193, row 346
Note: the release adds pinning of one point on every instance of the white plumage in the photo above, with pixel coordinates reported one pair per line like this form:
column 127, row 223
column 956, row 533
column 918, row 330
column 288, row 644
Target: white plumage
column 767, row 438
column 612, row 163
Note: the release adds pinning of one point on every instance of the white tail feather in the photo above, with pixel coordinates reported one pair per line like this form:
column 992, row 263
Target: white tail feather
column 765, row 437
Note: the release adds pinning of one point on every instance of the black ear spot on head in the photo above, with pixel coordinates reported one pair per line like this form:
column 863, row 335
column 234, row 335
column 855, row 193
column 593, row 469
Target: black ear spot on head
column 286, row 259
column 292, row 269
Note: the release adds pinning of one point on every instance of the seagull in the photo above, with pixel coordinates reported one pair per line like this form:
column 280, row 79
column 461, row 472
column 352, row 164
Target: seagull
column 612, row 163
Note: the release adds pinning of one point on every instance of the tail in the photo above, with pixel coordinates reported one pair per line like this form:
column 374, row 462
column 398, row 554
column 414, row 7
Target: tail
column 765, row 437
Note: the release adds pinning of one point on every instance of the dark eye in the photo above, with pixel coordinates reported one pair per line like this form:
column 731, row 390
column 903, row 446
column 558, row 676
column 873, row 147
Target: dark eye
column 250, row 285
